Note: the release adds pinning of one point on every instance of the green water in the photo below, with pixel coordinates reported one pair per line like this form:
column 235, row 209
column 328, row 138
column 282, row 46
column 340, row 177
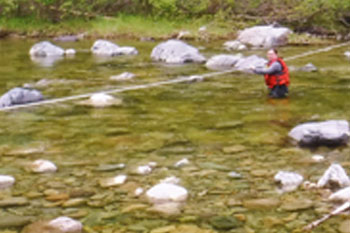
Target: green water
column 165, row 124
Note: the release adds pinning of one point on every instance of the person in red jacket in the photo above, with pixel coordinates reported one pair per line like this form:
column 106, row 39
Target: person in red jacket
column 276, row 75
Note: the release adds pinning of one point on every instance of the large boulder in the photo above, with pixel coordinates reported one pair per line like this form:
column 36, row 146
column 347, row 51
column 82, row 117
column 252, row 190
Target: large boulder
column 328, row 133
column 46, row 49
column 223, row 61
column 246, row 63
column 20, row 95
column 176, row 52
column 107, row 48
column 264, row 36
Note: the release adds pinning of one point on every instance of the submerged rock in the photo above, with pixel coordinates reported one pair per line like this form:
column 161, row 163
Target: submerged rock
column 318, row 158
column 347, row 54
column 235, row 45
column 288, row 181
column 107, row 48
column 168, row 208
column 225, row 222
column 264, row 36
column 334, row 176
column 115, row 181
column 267, row 203
column 223, row 61
column 327, row 133
column 20, row 95
column 246, row 63
column 6, row 181
column 14, row 201
column 70, row 52
column 165, row 192
column 9, row 221
column 144, row 170
column 46, row 49
column 122, row 77
column 308, row 68
column 342, row 195
column 43, row 166
column 177, row 52
column 182, row 162
column 101, row 100
column 66, row 225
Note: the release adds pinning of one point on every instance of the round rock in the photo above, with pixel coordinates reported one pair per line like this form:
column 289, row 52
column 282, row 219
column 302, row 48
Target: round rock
column 45, row 49
column 165, row 192
column 43, row 166
column 6, row 181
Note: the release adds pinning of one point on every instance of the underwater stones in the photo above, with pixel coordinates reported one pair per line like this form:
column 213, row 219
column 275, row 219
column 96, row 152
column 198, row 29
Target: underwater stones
column 327, row 133
column 14, row 201
column 297, row 204
column 43, row 166
column 166, row 192
column 225, row 222
column 234, row 45
column 182, row 163
column 222, row 61
column 107, row 48
column 264, row 36
column 265, row 203
column 123, row 76
column 335, row 175
column 288, row 181
column 234, row 149
column 66, row 225
column 309, row 68
column 143, row 170
column 234, row 175
column 170, row 180
column 341, row 195
column 70, row 52
column 138, row 192
column 245, row 64
column 6, row 181
column 46, row 49
column 9, row 221
column 20, row 95
column 318, row 158
column 168, row 208
column 176, row 52
column 114, row 181
column 109, row 167
column 347, row 54
column 101, row 100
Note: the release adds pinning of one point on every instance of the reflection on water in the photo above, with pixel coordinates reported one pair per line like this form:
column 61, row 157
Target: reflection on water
column 220, row 125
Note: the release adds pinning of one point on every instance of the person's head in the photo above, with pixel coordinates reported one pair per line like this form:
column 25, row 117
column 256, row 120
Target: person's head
column 272, row 54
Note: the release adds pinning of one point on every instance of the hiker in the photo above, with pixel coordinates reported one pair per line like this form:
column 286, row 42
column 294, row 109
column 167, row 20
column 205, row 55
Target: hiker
column 276, row 75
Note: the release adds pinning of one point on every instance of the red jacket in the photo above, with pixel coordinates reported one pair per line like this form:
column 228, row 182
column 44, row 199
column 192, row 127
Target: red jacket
column 272, row 80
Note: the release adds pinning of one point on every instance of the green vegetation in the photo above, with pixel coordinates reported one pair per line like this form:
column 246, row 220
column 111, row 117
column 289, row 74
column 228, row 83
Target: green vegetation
column 159, row 17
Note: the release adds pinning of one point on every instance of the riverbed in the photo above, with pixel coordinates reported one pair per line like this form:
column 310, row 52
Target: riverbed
column 220, row 125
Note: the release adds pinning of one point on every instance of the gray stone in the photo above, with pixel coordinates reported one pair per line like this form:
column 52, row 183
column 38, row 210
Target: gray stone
column 176, row 52
column 308, row 68
column 20, row 95
column 46, row 49
column 264, row 36
column 327, row 133
column 234, row 45
column 107, row 48
column 246, row 63
column 288, row 181
column 335, row 175
column 223, row 61
column 6, row 181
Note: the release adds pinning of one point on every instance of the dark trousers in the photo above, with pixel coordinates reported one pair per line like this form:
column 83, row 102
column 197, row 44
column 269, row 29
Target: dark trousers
column 278, row 91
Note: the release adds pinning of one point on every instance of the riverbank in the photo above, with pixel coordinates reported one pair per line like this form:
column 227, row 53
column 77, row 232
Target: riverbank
column 141, row 28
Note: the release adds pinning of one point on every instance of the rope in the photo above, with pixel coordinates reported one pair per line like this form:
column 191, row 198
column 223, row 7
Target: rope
column 161, row 83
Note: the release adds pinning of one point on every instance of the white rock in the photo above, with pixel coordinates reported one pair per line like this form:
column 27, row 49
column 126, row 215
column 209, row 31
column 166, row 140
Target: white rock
column 122, row 77
column 182, row 162
column 70, row 52
column 347, row 54
column 45, row 49
column 6, row 181
column 195, row 78
column 138, row 192
column 144, row 170
column 101, row 100
column 342, row 195
column 170, row 180
column 318, row 158
column 335, row 174
column 288, row 181
column 223, row 61
column 176, row 52
column 164, row 192
column 309, row 185
column 114, row 181
column 234, row 175
column 246, row 63
column 66, row 225
column 183, row 34
column 152, row 164
column 234, row 45
column 107, row 48
column 43, row 166
column 309, row 67
column 264, row 36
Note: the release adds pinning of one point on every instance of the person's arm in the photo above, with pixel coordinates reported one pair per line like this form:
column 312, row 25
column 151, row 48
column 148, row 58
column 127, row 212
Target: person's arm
column 275, row 68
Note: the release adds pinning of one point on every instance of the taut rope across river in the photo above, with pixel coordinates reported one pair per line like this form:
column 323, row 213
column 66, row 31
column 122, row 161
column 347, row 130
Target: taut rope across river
column 161, row 83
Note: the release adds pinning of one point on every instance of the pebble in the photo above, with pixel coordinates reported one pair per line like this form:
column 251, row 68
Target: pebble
column 144, row 170
column 138, row 192
column 171, row 180
column 288, row 181
column 14, row 201
column 6, row 181
column 43, row 166
column 109, row 182
column 347, row 54
column 318, row 158
column 66, row 225
column 101, row 100
column 182, row 162
column 165, row 192
column 70, row 52
column 234, row 175
column 123, row 76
